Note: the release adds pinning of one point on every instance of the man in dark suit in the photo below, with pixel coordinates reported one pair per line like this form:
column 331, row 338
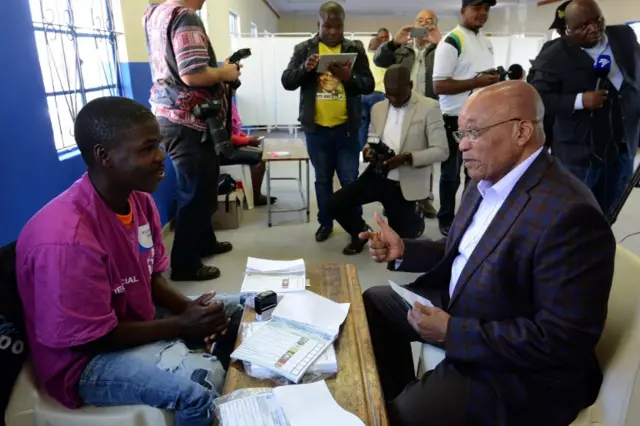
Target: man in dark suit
column 597, row 120
column 520, row 285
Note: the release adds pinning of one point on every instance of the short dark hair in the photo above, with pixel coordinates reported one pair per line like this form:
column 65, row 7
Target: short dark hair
column 381, row 30
column 106, row 121
column 397, row 73
column 331, row 7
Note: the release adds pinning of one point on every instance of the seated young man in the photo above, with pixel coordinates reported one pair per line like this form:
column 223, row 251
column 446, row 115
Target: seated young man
column 89, row 269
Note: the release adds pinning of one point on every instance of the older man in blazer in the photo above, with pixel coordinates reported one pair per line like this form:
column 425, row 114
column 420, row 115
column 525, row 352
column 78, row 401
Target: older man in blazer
column 520, row 285
column 412, row 127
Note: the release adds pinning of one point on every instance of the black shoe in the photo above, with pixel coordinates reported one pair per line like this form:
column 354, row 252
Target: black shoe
column 220, row 247
column 323, row 233
column 356, row 246
column 203, row 273
column 444, row 230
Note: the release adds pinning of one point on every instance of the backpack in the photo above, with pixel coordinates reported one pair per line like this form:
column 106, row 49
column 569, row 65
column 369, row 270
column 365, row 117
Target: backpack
column 13, row 337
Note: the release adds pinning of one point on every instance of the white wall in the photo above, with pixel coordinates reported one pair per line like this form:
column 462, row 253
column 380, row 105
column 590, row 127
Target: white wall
column 293, row 23
column 537, row 19
column 217, row 20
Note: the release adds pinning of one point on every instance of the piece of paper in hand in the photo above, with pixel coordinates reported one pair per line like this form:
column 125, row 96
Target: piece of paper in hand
column 410, row 297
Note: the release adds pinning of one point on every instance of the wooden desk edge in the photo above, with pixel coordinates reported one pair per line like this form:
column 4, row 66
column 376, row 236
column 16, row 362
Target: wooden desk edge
column 376, row 403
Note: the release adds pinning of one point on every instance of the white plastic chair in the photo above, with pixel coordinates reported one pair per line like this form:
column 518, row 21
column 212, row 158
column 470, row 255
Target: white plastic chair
column 618, row 351
column 30, row 406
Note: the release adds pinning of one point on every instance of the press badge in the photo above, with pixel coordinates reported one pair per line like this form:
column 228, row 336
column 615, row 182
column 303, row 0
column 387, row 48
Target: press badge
column 145, row 239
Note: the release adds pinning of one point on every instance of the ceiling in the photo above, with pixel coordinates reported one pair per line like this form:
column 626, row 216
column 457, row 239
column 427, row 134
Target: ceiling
column 384, row 7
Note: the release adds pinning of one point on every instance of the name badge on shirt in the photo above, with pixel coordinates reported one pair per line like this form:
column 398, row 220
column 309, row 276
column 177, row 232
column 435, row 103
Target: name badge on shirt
column 145, row 239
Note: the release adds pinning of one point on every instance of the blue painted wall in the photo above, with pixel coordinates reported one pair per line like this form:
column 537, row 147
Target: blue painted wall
column 30, row 172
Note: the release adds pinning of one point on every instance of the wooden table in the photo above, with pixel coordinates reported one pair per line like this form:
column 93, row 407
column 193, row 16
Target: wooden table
column 296, row 151
column 356, row 387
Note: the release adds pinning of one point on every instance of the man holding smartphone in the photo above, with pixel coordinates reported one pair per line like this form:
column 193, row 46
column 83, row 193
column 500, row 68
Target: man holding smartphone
column 463, row 63
column 414, row 47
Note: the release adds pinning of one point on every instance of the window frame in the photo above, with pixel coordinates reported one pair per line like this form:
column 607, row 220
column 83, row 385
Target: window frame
column 73, row 87
column 235, row 18
column 254, row 30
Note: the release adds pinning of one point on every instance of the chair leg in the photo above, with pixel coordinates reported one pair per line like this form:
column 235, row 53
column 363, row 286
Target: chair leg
column 248, row 185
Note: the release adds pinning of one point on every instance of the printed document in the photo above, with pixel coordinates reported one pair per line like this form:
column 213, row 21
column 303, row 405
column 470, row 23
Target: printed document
column 327, row 362
column 302, row 327
column 410, row 297
column 301, row 405
column 280, row 276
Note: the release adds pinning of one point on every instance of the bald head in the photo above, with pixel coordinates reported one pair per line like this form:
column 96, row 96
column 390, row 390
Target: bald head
column 585, row 22
column 397, row 85
column 501, row 126
column 426, row 17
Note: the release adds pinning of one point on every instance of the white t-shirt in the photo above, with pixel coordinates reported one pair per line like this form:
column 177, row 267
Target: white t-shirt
column 461, row 55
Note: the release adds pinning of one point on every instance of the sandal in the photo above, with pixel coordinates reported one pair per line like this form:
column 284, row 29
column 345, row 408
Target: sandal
column 203, row 273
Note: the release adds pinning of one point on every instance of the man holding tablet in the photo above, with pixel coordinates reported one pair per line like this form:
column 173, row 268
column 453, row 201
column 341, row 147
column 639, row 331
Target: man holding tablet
column 330, row 106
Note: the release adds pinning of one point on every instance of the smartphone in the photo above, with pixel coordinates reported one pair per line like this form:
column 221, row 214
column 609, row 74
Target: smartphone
column 418, row 32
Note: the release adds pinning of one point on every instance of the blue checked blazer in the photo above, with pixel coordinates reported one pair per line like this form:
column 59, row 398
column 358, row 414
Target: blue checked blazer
column 531, row 301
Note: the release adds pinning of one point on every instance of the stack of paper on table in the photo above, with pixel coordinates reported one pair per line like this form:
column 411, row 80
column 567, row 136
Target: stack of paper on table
column 302, row 327
column 326, row 364
column 296, row 405
column 280, row 276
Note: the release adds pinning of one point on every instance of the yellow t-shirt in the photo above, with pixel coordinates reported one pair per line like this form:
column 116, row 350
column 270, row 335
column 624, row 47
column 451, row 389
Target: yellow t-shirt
column 331, row 99
column 378, row 73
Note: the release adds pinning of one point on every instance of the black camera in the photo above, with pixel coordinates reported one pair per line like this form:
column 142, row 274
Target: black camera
column 380, row 152
column 209, row 112
column 502, row 73
column 235, row 59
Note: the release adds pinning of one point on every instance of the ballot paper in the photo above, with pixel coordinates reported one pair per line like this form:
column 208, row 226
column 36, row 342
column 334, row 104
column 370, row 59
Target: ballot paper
column 296, row 405
column 409, row 297
column 301, row 328
column 326, row 364
column 280, row 276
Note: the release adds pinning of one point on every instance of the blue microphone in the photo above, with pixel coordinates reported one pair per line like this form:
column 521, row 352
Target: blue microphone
column 602, row 66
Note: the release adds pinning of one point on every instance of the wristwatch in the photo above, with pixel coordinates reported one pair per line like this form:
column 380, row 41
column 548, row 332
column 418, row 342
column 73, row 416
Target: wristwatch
column 408, row 158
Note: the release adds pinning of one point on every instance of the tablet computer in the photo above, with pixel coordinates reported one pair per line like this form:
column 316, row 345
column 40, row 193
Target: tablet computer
column 341, row 58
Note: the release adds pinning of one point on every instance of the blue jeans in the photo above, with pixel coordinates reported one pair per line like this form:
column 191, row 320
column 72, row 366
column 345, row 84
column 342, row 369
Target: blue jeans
column 165, row 375
column 607, row 182
column 368, row 101
column 331, row 150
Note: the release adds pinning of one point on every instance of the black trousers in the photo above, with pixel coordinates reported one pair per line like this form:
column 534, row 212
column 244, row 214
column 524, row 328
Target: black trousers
column 440, row 397
column 450, row 175
column 197, row 173
column 404, row 216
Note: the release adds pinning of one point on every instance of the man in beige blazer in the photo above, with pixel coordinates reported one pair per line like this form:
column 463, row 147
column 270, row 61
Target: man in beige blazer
column 412, row 126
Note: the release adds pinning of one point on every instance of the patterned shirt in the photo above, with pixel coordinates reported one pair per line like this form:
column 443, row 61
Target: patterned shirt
column 178, row 45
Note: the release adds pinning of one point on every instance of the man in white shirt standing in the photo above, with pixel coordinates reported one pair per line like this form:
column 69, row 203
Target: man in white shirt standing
column 411, row 126
column 463, row 63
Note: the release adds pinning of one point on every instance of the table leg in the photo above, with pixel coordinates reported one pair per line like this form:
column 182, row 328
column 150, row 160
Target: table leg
column 308, row 192
column 268, row 165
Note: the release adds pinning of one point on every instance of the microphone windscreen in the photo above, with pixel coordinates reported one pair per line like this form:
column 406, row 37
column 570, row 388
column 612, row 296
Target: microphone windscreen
column 602, row 66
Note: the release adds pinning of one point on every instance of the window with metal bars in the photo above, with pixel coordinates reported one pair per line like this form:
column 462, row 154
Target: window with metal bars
column 78, row 51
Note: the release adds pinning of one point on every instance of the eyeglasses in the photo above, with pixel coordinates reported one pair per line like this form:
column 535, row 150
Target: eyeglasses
column 427, row 22
column 472, row 134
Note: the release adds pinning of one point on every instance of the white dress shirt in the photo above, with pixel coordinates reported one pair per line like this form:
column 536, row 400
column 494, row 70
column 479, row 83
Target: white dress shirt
column 615, row 74
column 493, row 196
column 392, row 133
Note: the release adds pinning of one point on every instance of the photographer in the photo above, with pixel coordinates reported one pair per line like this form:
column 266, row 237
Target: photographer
column 185, row 75
column 461, row 63
column 413, row 138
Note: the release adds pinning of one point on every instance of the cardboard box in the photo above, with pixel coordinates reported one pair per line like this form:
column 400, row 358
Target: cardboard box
column 229, row 213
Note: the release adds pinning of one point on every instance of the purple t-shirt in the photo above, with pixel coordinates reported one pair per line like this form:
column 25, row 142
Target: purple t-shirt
column 80, row 270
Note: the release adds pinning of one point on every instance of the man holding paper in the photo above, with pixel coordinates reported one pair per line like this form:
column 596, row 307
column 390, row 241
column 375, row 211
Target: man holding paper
column 520, row 285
